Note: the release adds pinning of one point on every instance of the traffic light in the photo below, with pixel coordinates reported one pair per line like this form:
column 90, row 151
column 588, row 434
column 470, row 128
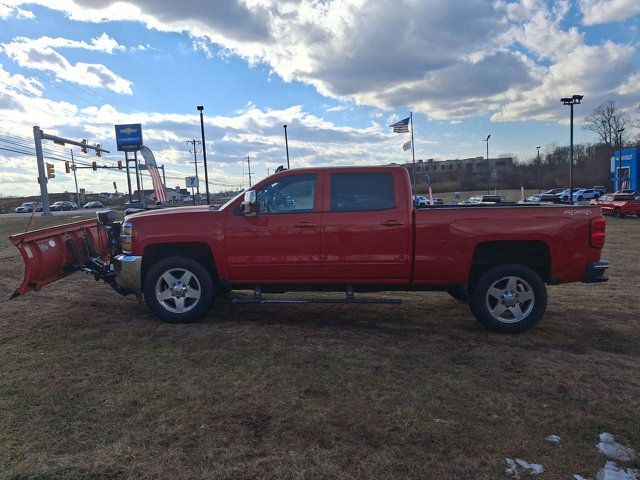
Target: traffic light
column 84, row 146
column 51, row 170
column 98, row 150
column 119, row 164
column 67, row 166
column 94, row 165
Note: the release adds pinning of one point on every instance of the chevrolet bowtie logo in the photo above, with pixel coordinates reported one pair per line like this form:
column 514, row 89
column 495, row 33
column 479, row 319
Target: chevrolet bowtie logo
column 128, row 130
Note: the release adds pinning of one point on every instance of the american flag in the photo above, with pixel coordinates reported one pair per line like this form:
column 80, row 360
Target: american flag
column 406, row 146
column 401, row 127
column 150, row 162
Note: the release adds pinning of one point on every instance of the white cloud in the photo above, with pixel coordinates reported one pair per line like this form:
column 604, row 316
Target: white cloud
column 11, row 11
column 605, row 11
column 449, row 60
column 40, row 54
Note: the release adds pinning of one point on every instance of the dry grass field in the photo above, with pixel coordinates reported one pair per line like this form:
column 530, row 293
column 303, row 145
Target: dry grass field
column 93, row 387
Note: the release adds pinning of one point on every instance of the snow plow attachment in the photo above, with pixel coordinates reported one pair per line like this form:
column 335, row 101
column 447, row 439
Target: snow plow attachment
column 52, row 253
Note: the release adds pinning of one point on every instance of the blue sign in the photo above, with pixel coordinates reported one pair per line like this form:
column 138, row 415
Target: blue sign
column 129, row 137
column 625, row 169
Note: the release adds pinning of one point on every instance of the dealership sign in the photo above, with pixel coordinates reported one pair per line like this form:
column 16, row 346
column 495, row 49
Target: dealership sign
column 129, row 137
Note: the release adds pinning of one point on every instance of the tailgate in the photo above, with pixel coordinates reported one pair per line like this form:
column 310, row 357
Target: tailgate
column 52, row 253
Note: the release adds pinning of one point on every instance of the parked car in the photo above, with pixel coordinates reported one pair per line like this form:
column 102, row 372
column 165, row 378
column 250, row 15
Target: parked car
column 618, row 204
column 134, row 204
column 600, row 188
column 420, row 201
column 532, row 199
column 27, row 207
column 93, row 205
column 483, row 199
column 554, row 191
column 63, row 205
column 564, row 195
column 360, row 232
column 585, row 194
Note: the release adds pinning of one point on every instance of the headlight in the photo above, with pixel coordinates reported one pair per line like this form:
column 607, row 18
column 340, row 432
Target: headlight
column 125, row 237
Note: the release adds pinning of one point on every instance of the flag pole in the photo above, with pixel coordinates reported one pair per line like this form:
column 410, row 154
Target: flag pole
column 413, row 149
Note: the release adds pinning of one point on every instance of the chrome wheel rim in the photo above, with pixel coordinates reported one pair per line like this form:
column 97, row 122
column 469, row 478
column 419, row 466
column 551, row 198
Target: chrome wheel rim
column 510, row 299
column 178, row 290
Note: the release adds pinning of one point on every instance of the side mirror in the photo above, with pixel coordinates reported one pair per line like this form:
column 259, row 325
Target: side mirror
column 250, row 203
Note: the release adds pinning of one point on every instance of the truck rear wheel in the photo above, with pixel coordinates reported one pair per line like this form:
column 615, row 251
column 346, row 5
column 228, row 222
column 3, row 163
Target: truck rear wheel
column 178, row 290
column 509, row 299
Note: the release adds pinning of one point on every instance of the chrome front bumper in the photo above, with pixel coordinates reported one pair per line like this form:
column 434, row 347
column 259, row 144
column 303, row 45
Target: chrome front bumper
column 128, row 270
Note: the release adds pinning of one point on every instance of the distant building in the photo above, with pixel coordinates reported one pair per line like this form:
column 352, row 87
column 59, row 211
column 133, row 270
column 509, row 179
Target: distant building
column 478, row 167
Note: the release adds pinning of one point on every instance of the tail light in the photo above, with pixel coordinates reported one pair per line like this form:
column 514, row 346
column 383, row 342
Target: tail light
column 596, row 232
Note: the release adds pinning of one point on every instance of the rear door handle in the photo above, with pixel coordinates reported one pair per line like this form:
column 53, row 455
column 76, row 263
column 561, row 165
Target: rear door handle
column 391, row 223
column 305, row 225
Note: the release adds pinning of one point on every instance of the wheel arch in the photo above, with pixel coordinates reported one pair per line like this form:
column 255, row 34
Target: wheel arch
column 533, row 254
column 200, row 252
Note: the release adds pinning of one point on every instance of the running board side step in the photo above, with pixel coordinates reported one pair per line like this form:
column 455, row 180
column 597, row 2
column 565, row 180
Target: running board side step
column 257, row 298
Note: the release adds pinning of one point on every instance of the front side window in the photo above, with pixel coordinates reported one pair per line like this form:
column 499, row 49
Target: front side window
column 361, row 192
column 291, row 194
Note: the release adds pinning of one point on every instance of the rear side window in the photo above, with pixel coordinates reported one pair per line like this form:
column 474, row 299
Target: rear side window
column 361, row 192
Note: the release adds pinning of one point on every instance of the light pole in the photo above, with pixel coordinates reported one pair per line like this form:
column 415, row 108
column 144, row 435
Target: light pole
column 487, row 140
column 204, row 153
column 571, row 101
column 286, row 144
column 539, row 189
column 617, row 172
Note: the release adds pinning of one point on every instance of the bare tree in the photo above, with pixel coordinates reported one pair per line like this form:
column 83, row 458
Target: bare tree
column 605, row 120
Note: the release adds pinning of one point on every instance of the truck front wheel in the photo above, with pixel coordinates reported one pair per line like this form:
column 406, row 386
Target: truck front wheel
column 178, row 290
column 509, row 299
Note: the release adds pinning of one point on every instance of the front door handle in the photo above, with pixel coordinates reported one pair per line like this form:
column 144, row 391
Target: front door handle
column 391, row 223
column 305, row 225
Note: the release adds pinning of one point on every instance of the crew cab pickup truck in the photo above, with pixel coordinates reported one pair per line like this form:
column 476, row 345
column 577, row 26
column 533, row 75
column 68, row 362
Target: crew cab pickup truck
column 353, row 229
column 618, row 204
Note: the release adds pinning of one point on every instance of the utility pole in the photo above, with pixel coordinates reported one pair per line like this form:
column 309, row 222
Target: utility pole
column 286, row 143
column 193, row 143
column 539, row 189
column 249, row 168
column 75, row 177
column 268, row 171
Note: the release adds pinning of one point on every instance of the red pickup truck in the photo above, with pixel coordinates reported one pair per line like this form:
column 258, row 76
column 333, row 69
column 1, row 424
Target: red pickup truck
column 618, row 204
column 353, row 229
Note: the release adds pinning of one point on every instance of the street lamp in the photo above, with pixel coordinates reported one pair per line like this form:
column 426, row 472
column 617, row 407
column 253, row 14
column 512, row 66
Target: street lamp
column 539, row 189
column 617, row 172
column 204, row 153
column 571, row 101
column 487, row 140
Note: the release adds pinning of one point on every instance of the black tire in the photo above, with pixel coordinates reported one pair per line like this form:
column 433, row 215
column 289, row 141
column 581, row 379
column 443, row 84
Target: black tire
column 459, row 293
column 580, row 198
column 528, row 283
column 198, row 283
column 618, row 213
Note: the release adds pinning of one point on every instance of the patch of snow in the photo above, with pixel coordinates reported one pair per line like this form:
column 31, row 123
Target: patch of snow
column 514, row 467
column 611, row 471
column 580, row 477
column 553, row 439
column 613, row 449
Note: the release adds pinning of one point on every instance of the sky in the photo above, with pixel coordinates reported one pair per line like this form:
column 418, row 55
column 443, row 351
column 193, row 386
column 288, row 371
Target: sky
column 337, row 72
